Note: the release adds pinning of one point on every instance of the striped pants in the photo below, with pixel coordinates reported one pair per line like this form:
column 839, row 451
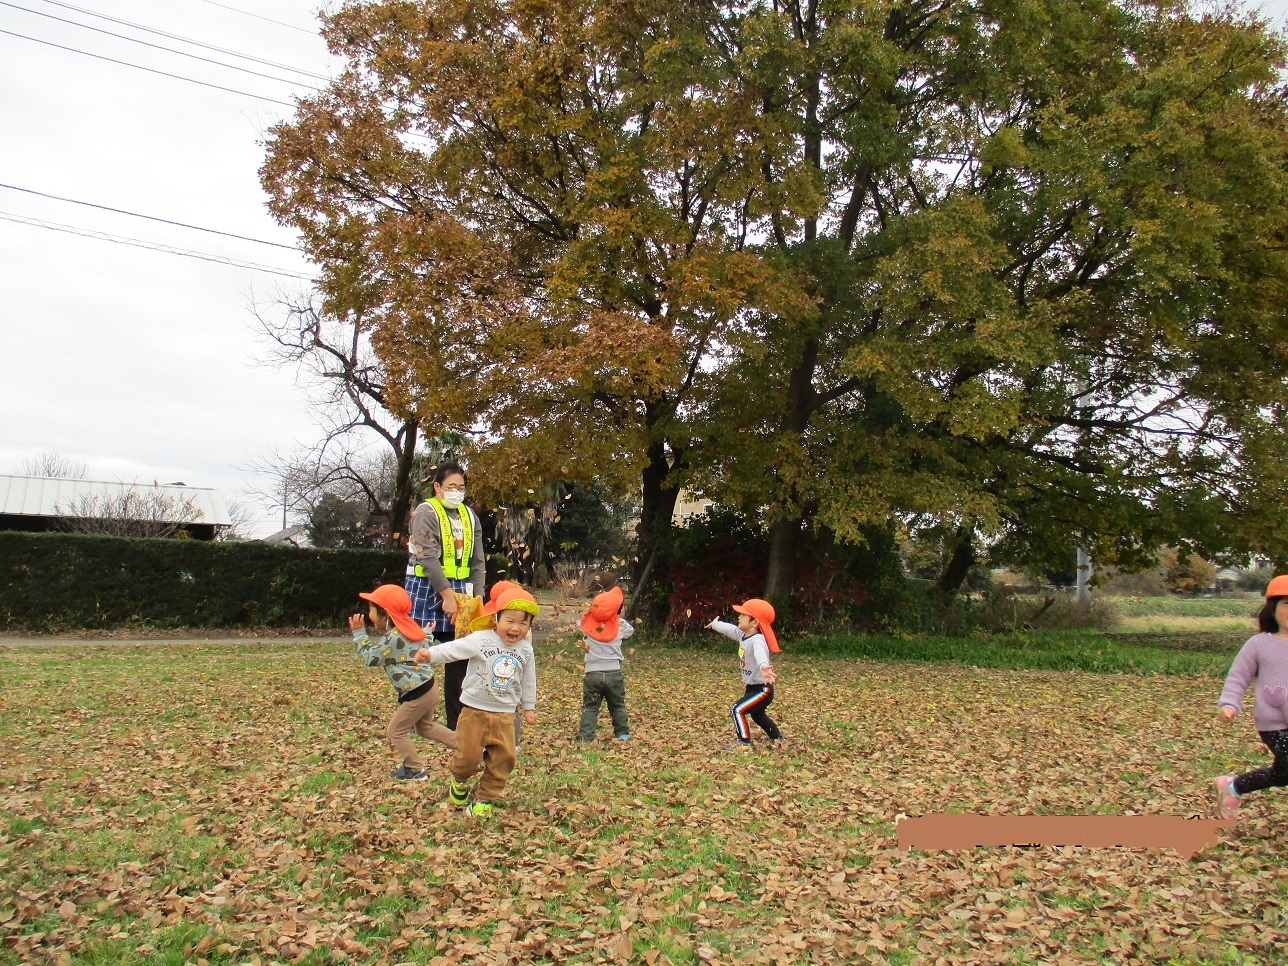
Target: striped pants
column 753, row 704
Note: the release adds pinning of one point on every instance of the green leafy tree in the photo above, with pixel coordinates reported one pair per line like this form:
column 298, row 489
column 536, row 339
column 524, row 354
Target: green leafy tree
column 1013, row 268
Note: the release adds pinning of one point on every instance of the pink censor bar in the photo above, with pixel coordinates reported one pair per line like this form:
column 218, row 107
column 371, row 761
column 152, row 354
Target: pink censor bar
column 1184, row 835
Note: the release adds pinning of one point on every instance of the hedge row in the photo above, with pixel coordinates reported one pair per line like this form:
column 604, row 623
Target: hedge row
column 58, row 581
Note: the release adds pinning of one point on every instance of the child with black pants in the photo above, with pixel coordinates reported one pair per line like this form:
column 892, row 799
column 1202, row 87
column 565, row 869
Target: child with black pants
column 756, row 641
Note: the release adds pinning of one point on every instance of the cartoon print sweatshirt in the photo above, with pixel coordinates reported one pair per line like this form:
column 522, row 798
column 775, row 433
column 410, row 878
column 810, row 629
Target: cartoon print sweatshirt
column 394, row 653
column 499, row 677
column 753, row 652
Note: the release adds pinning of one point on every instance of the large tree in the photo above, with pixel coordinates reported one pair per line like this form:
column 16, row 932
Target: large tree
column 1011, row 266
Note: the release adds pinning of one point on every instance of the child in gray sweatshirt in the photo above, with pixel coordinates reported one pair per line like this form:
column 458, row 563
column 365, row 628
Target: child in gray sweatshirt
column 501, row 677
column 605, row 630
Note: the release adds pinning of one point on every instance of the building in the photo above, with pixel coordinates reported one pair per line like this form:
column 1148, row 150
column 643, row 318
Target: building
column 39, row 503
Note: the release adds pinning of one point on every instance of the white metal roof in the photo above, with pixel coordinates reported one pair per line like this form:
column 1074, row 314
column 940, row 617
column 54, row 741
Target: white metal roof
column 42, row 496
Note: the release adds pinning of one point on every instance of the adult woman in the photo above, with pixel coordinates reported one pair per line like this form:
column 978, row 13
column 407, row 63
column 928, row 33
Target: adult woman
column 445, row 554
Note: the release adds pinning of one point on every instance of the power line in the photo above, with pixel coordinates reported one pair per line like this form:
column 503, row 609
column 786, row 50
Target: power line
column 153, row 246
column 125, row 63
column 169, row 50
column 280, row 23
column 164, row 221
column 185, row 40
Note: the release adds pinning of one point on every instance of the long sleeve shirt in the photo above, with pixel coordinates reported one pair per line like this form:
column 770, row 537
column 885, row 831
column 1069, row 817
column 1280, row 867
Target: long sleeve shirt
column 425, row 546
column 607, row 655
column 394, row 654
column 1264, row 658
column 753, row 652
column 498, row 677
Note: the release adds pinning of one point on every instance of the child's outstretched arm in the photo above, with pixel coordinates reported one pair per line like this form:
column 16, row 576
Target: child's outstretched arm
column 460, row 649
column 728, row 630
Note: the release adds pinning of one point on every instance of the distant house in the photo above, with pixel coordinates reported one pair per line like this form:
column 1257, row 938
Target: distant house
column 687, row 507
column 39, row 503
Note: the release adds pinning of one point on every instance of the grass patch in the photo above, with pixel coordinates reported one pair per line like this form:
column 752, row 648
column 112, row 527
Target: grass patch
column 1089, row 651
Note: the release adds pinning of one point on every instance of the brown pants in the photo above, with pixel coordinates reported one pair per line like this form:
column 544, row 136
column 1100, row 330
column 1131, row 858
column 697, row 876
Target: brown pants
column 487, row 738
column 417, row 716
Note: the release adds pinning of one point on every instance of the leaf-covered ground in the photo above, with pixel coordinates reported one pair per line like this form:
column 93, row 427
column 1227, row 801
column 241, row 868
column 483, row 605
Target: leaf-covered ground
column 231, row 803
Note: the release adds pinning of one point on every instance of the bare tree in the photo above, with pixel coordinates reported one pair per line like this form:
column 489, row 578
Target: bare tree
column 54, row 465
column 136, row 510
column 241, row 517
column 334, row 357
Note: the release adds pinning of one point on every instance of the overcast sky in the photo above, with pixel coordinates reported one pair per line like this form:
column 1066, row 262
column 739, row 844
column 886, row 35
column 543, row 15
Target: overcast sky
column 140, row 363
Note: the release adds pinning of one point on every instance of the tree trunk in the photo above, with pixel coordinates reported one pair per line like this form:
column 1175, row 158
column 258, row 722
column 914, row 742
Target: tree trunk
column 959, row 563
column 781, row 571
column 657, row 506
column 784, row 533
column 403, row 486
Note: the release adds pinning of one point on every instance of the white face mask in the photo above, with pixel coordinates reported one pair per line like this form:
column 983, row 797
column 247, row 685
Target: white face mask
column 453, row 498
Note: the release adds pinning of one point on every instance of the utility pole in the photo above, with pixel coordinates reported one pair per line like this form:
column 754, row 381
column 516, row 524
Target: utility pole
column 1084, row 577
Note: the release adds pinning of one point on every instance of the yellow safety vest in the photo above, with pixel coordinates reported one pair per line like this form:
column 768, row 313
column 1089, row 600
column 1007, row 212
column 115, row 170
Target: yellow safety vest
column 450, row 570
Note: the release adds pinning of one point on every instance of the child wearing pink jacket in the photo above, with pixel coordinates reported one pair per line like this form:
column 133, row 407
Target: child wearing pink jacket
column 1263, row 660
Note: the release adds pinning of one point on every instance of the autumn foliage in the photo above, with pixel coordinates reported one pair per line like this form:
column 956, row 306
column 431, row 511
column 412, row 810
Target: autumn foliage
column 231, row 804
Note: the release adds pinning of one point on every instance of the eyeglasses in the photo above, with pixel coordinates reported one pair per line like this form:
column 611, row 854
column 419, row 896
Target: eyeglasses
column 453, row 487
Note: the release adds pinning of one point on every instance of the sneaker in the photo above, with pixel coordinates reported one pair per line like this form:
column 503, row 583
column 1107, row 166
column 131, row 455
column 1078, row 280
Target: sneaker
column 458, row 793
column 405, row 774
column 738, row 746
column 1227, row 802
column 480, row 809
column 625, row 737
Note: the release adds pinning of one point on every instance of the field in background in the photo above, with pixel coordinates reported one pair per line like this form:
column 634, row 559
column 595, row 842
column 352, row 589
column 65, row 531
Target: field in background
column 230, row 803
column 1186, row 615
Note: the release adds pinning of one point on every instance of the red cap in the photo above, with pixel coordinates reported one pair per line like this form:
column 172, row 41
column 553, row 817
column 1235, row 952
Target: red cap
column 1278, row 586
column 601, row 620
column 763, row 612
column 397, row 604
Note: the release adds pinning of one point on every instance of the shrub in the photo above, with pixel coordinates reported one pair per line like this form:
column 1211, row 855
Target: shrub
column 54, row 581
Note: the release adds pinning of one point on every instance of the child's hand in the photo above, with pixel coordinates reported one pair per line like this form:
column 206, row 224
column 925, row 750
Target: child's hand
column 1226, row 715
column 767, row 672
column 529, row 717
column 356, row 623
column 711, row 624
column 584, row 646
column 422, row 656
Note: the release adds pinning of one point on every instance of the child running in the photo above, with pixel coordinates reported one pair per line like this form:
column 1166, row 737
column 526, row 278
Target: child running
column 501, row 676
column 1263, row 659
column 756, row 641
column 487, row 622
column 605, row 630
column 417, row 689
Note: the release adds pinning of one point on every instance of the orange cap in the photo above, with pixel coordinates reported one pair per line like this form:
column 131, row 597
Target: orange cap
column 601, row 620
column 395, row 602
column 1278, row 586
column 763, row 612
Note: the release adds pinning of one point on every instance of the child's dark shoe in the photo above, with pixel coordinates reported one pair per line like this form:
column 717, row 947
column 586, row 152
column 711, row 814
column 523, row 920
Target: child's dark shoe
column 405, row 774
